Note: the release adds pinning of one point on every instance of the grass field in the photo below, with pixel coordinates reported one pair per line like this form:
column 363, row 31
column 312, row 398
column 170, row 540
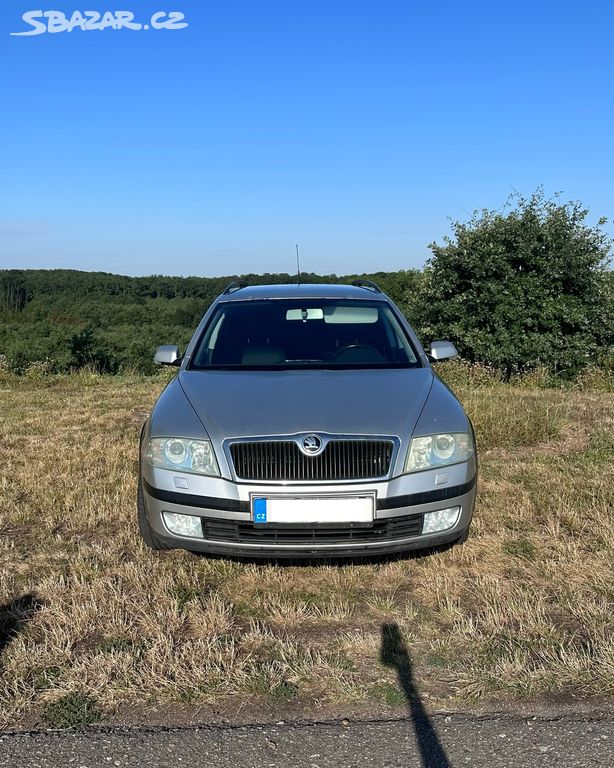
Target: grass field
column 94, row 626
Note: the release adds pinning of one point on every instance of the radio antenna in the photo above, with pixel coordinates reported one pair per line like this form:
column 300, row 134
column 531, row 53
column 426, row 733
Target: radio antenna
column 298, row 266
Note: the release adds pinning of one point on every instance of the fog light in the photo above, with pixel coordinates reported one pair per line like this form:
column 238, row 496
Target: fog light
column 183, row 525
column 440, row 520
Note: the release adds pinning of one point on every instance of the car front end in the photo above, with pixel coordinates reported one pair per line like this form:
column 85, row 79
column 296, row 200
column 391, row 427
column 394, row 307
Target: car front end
column 351, row 455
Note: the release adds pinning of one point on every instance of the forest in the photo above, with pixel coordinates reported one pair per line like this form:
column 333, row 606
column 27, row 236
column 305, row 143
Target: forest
column 66, row 319
column 523, row 288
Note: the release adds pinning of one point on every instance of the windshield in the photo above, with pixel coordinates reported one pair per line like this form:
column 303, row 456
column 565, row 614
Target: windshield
column 304, row 333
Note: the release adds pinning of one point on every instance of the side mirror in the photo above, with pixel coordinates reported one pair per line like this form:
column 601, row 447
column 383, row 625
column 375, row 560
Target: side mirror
column 442, row 350
column 168, row 354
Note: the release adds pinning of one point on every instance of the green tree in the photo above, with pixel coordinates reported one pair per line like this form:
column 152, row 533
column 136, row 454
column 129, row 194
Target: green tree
column 13, row 292
column 522, row 287
column 87, row 350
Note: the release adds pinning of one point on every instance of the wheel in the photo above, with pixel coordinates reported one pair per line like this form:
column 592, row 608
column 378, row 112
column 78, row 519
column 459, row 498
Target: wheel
column 463, row 537
column 148, row 534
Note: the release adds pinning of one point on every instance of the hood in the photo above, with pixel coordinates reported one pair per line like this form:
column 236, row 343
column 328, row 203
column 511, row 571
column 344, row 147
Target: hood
column 266, row 403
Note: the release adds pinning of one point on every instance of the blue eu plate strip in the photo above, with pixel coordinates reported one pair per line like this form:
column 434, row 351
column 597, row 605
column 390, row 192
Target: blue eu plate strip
column 260, row 511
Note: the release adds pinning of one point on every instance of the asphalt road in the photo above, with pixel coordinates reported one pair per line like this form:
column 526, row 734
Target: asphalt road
column 440, row 741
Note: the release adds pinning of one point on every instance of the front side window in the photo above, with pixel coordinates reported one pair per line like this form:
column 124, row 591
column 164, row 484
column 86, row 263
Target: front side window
column 310, row 333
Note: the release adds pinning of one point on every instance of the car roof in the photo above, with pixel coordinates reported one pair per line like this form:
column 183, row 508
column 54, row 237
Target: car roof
column 302, row 291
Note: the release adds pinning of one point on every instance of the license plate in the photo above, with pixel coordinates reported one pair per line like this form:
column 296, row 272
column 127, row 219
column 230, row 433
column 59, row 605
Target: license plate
column 283, row 509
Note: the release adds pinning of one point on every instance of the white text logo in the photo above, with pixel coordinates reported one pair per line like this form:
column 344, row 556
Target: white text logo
column 56, row 21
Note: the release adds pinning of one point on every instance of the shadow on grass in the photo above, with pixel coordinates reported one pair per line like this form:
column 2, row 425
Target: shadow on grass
column 314, row 560
column 14, row 615
column 394, row 654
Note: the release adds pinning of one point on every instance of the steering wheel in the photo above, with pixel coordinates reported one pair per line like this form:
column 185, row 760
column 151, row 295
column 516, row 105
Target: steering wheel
column 355, row 346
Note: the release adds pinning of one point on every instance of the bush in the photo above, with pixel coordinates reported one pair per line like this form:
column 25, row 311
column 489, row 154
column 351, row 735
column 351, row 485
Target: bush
column 523, row 289
column 71, row 711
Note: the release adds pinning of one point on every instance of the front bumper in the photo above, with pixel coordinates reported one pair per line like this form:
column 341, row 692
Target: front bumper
column 225, row 511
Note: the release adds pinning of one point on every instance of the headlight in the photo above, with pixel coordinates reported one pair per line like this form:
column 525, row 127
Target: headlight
column 183, row 455
column 438, row 450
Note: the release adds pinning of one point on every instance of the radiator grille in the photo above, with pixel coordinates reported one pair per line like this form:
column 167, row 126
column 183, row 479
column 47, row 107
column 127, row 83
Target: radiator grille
column 387, row 529
column 340, row 460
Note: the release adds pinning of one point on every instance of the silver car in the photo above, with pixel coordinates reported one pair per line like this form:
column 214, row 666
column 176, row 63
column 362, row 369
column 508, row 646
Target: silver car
column 305, row 420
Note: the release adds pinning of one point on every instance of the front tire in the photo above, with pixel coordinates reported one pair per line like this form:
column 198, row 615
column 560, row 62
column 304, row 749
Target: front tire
column 463, row 537
column 147, row 533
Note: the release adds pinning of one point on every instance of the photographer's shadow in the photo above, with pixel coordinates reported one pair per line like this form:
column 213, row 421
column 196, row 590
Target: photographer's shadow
column 394, row 654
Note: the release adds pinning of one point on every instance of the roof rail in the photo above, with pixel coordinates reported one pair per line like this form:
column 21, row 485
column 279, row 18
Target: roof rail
column 368, row 284
column 234, row 286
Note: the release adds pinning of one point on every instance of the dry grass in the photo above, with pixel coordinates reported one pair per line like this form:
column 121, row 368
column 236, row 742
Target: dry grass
column 93, row 622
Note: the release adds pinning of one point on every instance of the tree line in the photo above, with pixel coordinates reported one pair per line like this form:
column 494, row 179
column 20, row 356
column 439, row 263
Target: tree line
column 522, row 287
column 71, row 319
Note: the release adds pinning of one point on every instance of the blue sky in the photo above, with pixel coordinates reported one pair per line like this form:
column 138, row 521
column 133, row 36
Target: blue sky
column 353, row 128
